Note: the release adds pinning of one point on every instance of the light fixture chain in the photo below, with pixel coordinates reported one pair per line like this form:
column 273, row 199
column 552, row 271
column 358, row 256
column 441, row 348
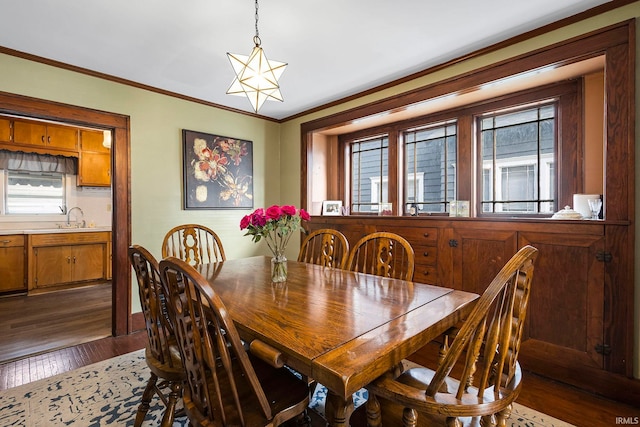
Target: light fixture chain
column 257, row 33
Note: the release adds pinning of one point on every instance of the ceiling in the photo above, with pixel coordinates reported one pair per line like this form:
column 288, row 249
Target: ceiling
column 334, row 48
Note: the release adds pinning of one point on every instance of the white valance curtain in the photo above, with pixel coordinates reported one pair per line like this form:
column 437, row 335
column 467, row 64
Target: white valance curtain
column 32, row 162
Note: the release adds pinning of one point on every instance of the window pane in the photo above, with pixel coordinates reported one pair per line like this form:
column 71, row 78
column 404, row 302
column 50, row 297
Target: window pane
column 430, row 167
column 34, row 193
column 518, row 157
column 369, row 173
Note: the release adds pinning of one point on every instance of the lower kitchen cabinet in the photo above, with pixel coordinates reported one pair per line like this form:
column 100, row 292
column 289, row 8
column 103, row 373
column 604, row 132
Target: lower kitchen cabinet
column 67, row 258
column 12, row 263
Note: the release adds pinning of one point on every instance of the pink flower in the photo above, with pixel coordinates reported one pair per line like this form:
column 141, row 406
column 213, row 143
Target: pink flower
column 258, row 218
column 304, row 215
column 274, row 212
column 288, row 210
column 244, row 222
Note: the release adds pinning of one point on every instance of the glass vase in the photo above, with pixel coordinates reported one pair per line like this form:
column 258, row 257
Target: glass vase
column 279, row 269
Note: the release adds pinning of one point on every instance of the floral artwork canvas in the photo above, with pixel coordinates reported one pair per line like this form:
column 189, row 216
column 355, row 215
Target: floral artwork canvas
column 218, row 171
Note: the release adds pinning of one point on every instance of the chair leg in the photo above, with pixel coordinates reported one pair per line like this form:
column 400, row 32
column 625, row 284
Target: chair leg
column 372, row 407
column 409, row 417
column 146, row 400
column 503, row 416
column 170, row 411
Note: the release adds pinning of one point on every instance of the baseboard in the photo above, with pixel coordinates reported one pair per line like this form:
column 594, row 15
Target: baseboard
column 137, row 321
column 597, row 381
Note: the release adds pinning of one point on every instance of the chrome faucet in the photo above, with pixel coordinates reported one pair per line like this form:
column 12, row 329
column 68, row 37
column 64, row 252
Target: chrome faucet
column 69, row 216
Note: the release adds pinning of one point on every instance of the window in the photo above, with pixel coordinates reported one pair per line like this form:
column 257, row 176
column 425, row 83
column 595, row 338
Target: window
column 518, row 153
column 34, row 192
column 430, row 156
column 369, row 162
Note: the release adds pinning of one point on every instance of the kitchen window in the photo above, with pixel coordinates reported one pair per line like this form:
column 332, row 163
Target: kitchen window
column 33, row 193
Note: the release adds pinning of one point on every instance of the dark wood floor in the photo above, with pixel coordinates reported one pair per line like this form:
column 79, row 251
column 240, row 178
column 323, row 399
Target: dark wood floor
column 558, row 400
column 37, row 323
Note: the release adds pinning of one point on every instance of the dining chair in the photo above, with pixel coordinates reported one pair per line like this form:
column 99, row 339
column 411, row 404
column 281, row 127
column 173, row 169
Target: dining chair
column 488, row 378
column 326, row 247
column 225, row 384
column 193, row 243
column 161, row 353
column 383, row 254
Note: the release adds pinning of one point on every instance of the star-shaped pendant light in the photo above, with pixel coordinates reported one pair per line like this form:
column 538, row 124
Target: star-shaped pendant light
column 256, row 76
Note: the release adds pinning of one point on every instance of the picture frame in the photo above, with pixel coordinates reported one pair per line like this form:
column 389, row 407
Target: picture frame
column 217, row 171
column 332, row 207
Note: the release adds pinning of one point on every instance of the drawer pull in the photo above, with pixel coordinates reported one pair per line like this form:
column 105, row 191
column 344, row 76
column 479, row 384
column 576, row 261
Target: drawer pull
column 5, row 241
column 426, row 273
column 426, row 234
column 426, row 254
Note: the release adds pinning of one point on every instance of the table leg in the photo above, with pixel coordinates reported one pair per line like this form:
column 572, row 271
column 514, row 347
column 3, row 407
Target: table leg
column 338, row 410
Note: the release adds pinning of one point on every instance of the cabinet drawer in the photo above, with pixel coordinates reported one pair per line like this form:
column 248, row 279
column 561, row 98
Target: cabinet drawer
column 426, row 274
column 425, row 255
column 69, row 238
column 419, row 235
column 11, row 240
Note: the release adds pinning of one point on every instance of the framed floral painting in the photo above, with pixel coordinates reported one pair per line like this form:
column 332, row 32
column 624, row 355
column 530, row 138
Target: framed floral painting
column 218, row 171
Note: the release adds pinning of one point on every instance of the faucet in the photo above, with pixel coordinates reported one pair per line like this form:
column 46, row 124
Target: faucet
column 69, row 215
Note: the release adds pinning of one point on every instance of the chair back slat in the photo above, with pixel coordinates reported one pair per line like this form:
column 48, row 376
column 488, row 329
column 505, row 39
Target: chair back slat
column 211, row 349
column 383, row 254
column 326, row 247
column 194, row 244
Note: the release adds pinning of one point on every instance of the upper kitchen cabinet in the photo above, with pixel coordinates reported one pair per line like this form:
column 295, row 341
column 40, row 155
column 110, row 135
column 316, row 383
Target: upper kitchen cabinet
column 94, row 164
column 5, row 130
column 45, row 138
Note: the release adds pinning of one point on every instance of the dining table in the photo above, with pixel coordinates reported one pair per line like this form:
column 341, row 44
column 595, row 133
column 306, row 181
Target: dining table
column 340, row 328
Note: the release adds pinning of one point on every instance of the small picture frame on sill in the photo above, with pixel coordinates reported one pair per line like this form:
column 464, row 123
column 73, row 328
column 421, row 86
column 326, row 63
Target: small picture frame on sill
column 332, row 207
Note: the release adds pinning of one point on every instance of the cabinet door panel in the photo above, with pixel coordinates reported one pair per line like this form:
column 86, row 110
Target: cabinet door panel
column 29, row 133
column 95, row 169
column 53, row 266
column 88, row 262
column 566, row 307
column 5, row 130
column 63, row 137
column 12, row 269
column 478, row 255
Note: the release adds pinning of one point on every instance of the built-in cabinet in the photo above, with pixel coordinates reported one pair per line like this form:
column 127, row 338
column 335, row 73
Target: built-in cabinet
column 12, row 263
column 66, row 259
column 94, row 159
column 45, row 135
column 581, row 297
column 94, row 163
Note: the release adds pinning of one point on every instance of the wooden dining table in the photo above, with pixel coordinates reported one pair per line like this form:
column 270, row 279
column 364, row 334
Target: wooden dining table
column 341, row 328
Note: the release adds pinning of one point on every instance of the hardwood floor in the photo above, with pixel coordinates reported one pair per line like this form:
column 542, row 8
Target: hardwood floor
column 33, row 324
column 558, row 400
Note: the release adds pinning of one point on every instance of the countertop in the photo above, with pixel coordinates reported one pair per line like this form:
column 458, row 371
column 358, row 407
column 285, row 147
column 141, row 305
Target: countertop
column 55, row 230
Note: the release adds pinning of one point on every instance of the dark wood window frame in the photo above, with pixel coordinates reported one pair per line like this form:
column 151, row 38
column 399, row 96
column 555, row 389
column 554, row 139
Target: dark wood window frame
column 569, row 125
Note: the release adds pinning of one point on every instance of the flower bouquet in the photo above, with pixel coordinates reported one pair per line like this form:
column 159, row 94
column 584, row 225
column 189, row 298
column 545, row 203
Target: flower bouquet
column 276, row 224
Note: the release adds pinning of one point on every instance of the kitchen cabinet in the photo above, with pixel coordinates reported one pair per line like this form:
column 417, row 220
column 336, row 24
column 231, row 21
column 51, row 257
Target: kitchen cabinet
column 94, row 163
column 45, row 136
column 12, row 263
column 5, row 130
column 61, row 259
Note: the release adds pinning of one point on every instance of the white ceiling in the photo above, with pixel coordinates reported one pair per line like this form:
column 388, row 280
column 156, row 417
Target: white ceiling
column 334, row 48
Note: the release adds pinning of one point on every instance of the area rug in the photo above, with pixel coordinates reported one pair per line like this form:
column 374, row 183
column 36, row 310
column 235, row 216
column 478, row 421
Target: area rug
column 108, row 393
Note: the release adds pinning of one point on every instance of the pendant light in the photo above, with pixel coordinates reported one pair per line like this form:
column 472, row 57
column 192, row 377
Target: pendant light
column 256, row 76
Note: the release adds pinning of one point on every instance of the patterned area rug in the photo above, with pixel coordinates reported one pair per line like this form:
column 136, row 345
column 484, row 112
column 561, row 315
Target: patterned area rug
column 108, row 393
